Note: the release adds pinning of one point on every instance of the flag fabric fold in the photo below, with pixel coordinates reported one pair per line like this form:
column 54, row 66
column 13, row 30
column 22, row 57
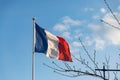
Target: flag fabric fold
column 52, row 46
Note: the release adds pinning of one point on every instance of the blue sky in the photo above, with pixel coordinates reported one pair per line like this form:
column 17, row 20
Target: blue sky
column 70, row 19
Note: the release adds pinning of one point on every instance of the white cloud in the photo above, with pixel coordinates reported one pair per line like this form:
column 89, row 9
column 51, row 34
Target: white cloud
column 77, row 31
column 119, row 8
column 96, row 41
column 112, row 34
column 76, row 44
column 88, row 9
column 104, row 34
column 99, row 43
column 88, row 41
column 66, row 23
column 96, row 17
column 94, row 27
column 77, row 36
column 110, row 19
column 66, row 35
column 60, row 27
column 75, row 51
column 102, row 10
column 69, row 21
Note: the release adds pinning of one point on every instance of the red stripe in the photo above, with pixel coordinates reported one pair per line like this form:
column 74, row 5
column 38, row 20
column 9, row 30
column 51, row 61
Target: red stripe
column 64, row 52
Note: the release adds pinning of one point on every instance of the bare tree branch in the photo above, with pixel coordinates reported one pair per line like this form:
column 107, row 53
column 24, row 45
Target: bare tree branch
column 82, row 61
column 112, row 12
column 109, row 24
column 88, row 70
column 92, row 59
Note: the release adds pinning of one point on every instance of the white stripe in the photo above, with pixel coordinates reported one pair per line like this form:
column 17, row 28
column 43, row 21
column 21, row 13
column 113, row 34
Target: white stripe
column 52, row 50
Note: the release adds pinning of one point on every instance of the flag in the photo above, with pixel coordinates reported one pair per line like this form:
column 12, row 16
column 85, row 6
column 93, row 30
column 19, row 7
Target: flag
column 52, row 46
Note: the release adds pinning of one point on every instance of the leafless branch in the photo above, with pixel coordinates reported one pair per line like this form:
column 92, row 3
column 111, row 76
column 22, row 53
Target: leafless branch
column 82, row 61
column 115, row 74
column 92, row 59
column 109, row 24
column 106, row 3
column 72, row 71
column 78, row 72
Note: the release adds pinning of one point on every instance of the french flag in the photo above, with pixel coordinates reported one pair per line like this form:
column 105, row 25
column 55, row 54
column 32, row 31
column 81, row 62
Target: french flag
column 53, row 46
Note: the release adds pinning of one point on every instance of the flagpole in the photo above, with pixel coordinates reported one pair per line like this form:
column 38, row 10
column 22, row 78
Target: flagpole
column 33, row 46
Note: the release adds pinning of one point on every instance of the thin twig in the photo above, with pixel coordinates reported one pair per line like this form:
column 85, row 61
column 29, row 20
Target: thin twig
column 68, row 66
column 53, row 68
column 58, row 66
column 86, row 73
column 89, row 56
column 83, row 62
column 109, row 24
column 111, row 12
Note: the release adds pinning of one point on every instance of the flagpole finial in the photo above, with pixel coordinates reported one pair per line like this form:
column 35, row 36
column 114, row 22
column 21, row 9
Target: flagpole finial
column 34, row 19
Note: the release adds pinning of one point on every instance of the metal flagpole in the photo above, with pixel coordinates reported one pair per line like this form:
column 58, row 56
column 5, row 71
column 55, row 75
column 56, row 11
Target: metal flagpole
column 33, row 46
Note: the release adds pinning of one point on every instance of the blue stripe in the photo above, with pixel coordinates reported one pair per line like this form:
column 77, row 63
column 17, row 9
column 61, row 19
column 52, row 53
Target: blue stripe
column 41, row 40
